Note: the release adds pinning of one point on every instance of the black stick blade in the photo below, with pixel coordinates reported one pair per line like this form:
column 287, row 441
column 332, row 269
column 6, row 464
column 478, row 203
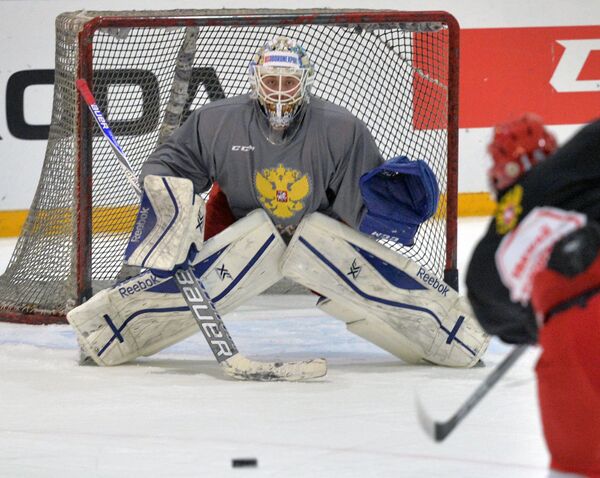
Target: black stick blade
column 438, row 431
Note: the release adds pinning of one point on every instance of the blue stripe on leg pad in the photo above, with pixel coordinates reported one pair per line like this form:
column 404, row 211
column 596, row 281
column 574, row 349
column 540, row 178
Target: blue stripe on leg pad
column 454, row 331
column 113, row 327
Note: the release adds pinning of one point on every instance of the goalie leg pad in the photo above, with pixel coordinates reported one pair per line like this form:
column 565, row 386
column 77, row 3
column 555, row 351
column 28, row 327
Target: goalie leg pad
column 378, row 284
column 169, row 221
column 146, row 313
column 372, row 329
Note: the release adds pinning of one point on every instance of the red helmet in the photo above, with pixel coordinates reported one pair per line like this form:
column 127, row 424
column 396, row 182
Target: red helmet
column 517, row 146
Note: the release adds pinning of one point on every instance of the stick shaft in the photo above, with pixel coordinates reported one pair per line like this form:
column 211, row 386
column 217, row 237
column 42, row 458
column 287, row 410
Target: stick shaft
column 441, row 430
column 88, row 97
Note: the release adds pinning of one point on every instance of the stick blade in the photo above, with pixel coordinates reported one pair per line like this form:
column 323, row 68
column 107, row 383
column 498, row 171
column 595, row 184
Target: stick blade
column 242, row 368
column 437, row 431
column 425, row 420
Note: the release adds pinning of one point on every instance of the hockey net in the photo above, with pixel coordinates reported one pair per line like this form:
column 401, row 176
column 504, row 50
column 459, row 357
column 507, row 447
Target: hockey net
column 397, row 71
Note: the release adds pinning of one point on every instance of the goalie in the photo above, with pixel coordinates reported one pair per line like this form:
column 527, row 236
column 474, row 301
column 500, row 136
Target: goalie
column 287, row 164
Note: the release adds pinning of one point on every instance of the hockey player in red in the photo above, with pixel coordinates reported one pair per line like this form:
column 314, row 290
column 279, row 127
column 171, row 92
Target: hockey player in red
column 535, row 277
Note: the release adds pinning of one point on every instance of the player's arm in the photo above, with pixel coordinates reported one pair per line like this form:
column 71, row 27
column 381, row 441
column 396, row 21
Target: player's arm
column 361, row 156
column 390, row 198
column 571, row 276
column 491, row 303
column 171, row 213
column 502, row 270
column 183, row 155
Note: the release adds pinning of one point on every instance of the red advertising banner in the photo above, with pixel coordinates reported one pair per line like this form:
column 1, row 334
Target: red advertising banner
column 553, row 71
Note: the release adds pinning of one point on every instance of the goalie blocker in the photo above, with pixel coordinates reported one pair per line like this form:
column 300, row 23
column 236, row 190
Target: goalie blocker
column 383, row 297
column 170, row 220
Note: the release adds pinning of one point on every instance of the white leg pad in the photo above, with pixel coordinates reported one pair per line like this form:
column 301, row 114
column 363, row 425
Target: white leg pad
column 368, row 282
column 374, row 330
column 145, row 313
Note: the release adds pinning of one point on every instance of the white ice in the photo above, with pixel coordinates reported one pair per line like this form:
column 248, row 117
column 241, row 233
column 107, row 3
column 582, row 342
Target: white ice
column 176, row 415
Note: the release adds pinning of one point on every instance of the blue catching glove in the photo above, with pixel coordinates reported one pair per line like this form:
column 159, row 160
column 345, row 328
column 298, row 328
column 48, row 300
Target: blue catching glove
column 399, row 196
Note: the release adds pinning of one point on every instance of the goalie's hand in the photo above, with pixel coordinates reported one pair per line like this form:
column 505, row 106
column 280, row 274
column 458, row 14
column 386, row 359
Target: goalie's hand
column 399, row 195
column 189, row 260
column 170, row 220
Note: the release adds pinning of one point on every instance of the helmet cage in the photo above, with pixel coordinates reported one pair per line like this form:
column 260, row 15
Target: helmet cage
column 281, row 104
column 280, row 59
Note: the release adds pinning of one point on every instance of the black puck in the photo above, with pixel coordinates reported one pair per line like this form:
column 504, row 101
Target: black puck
column 244, row 462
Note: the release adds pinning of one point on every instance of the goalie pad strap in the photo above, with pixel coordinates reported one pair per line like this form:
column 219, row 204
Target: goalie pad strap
column 147, row 313
column 350, row 268
column 169, row 221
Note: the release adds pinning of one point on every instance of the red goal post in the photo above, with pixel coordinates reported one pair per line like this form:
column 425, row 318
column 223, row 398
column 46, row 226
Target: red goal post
column 397, row 71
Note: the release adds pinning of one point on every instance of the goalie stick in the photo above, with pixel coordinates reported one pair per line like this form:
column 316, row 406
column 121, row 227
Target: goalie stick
column 201, row 306
column 440, row 430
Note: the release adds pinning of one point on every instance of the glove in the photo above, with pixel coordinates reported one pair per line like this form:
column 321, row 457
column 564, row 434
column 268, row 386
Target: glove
column 399, row 196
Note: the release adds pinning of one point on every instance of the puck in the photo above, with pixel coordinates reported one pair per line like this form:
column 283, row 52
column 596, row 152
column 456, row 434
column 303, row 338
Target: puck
column 244, row 462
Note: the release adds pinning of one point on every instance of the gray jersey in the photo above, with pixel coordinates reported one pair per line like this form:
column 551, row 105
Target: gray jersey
column 317, row 169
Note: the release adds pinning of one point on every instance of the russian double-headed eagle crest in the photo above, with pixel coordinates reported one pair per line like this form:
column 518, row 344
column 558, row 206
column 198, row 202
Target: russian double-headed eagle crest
column 281, row 190
column 509, row 209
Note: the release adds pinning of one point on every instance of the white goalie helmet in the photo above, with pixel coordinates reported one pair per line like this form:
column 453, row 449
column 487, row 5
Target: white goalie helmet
column 281, row 75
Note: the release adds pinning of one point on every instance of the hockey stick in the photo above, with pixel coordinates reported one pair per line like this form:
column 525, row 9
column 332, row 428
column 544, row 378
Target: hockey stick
column 201, row 305
column 438, row 431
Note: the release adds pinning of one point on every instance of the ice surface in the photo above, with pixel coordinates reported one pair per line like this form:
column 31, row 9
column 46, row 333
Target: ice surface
column 176, row 415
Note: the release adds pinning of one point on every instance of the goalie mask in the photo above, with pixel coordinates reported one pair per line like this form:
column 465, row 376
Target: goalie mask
column 281, row 75
column 517, row 146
